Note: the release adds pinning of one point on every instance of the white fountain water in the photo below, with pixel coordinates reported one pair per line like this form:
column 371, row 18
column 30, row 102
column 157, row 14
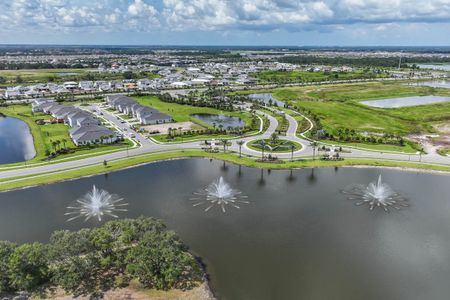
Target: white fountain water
column 96, row 204
column 219, row 193
column 376, row 194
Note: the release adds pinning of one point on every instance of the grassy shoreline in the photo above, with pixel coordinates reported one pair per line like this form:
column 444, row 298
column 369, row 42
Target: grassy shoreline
column 130, row 162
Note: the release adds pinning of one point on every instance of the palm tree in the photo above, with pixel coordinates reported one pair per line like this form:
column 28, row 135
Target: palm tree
column 54, row 145
column 262, row 143
column 58, row 143
column 224, row 142
column 64, row 141
column 240, row 143
column 314, row 145
column 274, row 138
column 292, row 151
column 169, row 131
column 180, row 129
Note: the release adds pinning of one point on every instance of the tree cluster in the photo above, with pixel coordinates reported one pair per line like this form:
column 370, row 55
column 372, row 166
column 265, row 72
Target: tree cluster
column 89, row 262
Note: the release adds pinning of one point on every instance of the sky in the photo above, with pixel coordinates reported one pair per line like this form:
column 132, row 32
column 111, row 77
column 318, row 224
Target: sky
column 226, row 22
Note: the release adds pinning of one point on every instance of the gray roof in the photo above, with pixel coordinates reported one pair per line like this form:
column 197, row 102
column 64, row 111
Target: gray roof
column 89, row 133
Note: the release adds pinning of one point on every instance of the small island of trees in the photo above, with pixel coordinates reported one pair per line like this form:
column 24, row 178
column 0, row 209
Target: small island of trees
column 90, row 262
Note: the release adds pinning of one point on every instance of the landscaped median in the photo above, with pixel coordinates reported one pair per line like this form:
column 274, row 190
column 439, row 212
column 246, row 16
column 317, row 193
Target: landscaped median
column 114, row 165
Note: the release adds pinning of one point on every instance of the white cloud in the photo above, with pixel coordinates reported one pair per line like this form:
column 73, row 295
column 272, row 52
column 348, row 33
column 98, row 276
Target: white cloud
column 209, row 15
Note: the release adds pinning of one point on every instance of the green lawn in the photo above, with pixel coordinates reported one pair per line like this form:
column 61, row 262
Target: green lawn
column 182, row 113
column 305, row 76
column 280, row 146
column 43, row 135
column 338, row 106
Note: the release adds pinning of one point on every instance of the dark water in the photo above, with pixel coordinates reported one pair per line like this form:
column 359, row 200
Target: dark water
column 16, row 141
column 299, row 238
column 225, row 121
column 266, row 97
column 406, row 101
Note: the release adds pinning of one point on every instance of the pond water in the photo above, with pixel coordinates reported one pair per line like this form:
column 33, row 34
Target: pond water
column 433, row 83
column 225, row 121
column 444, row 67
column 16, row 141
column 298, row 237
column 266, row 97
column 406, row 101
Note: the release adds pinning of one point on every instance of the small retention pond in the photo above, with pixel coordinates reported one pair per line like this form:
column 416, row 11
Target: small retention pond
column 217, row 120
column 406, row 101
column 16, row 141
column 267, row 98
column 445, row 84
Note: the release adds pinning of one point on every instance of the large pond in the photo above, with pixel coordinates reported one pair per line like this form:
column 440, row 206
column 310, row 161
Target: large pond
column 445, row 84
column 217, row 120
column 16, row 141
column 443, row 67
column 299, row 237
column 266, row 98
column 406, row 101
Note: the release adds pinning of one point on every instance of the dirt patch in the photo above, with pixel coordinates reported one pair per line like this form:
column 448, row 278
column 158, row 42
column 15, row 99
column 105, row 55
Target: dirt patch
column 164, row 128
column 134, row 292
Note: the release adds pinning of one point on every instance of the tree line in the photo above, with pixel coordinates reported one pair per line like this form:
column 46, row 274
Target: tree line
column 90, row 262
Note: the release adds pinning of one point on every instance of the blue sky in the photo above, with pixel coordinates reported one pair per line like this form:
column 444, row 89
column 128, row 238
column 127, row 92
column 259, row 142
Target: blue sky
column 226, row 22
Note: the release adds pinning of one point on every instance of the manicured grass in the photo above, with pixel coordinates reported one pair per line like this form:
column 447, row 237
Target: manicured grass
column 279, row 146
column 337, row 106
column 43, row 135
column 305, row 76
column 230, row 157
column 408, row 148
column 182, row 113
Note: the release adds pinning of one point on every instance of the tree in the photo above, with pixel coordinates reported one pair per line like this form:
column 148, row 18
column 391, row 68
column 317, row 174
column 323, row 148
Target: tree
column 64, row 141
column 262, row 143
column 274, row 138
column 314, row 144
column 28, row 267
column 224, row 142
column 161, row 262
column 240, row 143
column 6, row 249
column 105, row 163
column 292, row 146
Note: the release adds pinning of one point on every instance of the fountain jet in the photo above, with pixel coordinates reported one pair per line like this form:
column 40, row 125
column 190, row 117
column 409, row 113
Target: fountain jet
column 219, row 193
column 376, row 194
column 96, row 204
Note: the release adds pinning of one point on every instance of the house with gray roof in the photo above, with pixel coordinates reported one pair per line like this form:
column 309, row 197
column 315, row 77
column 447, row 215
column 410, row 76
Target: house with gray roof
column 92, row 134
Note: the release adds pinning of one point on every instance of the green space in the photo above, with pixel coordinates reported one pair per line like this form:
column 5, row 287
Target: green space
column 52, row 138
column 24, row 76
column 336, row 110
column 90, row 262
column 115, row 165
column 277, row 145
column 183, row 113
column 307, row 76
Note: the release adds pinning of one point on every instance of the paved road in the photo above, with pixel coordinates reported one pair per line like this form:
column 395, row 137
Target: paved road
column 148, row 146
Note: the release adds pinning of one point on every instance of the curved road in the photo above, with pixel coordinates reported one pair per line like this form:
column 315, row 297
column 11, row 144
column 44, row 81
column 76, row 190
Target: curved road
column 148, row 146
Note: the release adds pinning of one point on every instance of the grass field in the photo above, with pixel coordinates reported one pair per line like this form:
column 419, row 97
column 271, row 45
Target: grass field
column 43, row 135
column 280, row 146
column 338, row 106
column 305, row 76
column 182, row 113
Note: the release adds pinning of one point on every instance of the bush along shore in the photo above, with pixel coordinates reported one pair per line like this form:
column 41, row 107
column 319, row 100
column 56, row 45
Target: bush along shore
column 90, row 262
